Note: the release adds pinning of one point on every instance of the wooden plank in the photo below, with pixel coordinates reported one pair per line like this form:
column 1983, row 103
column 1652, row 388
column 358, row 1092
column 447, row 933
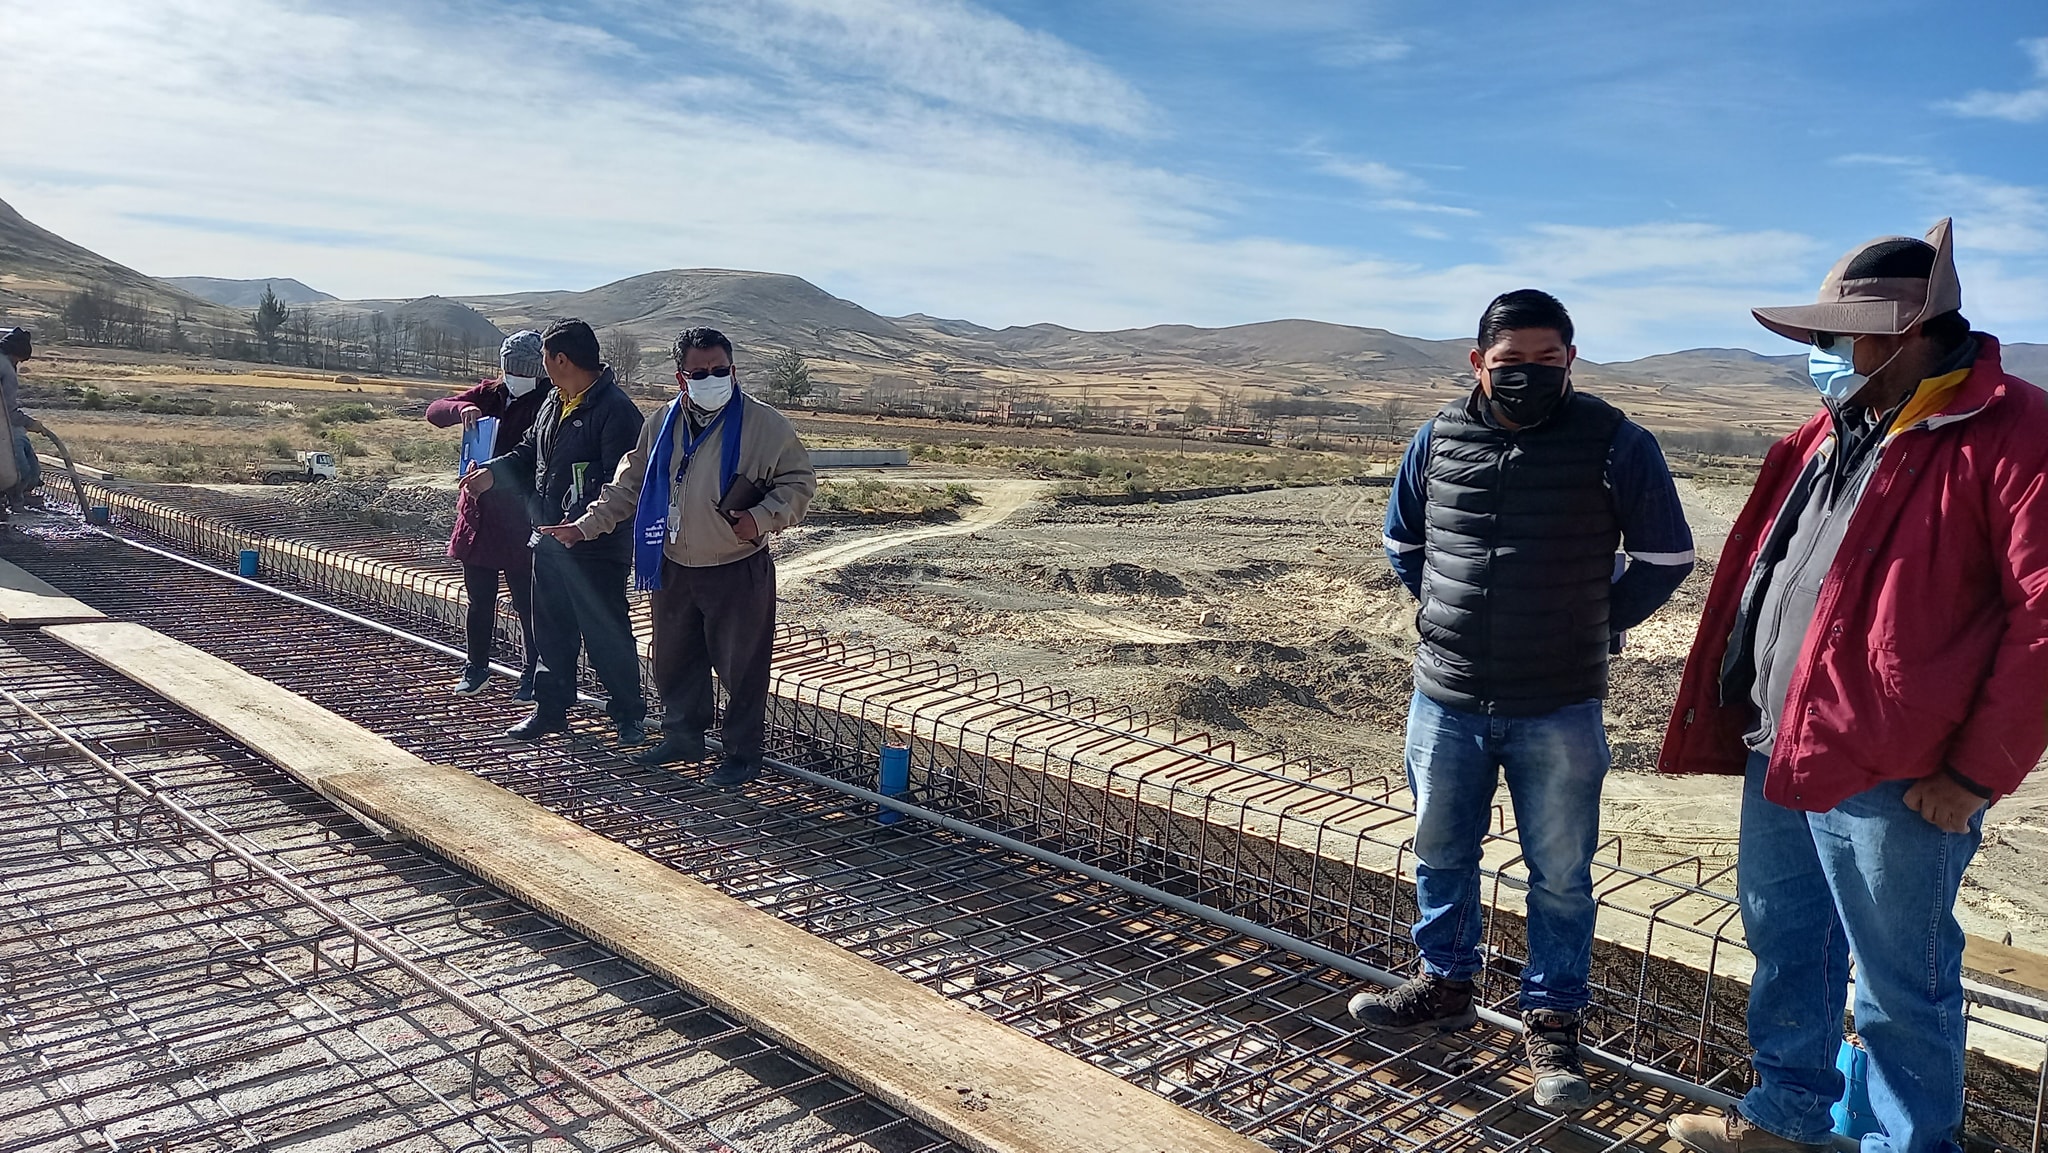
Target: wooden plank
column 28, row 601
column 2012, row 969
column 977, row 1082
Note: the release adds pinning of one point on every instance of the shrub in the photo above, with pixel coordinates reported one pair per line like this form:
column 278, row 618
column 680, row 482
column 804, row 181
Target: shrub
column 277, row 444
column 345, row 442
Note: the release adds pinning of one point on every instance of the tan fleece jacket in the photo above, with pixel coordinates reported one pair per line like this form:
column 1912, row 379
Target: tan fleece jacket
column 771, row 457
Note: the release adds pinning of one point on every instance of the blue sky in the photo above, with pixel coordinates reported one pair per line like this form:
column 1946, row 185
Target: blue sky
column 1096, row 163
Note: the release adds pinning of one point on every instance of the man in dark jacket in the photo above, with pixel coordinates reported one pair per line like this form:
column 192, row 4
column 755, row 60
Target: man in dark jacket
column 492, row 529
column 579, row 593
column 17, row 345
column 1505, row 521
column 1873, row 660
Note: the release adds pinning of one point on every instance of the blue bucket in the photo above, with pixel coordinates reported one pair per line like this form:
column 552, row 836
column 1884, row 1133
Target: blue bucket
column 1852, row 1113
column 248, row 566
column 895, row 779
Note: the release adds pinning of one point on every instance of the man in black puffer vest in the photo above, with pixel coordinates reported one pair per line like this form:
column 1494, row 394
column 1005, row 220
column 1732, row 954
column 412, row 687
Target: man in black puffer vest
column 1505, row 523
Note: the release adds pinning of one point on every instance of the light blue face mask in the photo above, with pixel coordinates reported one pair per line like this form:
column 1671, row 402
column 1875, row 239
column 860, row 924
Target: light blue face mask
column 1833, row 369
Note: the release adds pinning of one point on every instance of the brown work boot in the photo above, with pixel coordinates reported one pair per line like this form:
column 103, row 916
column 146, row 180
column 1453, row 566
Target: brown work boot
column 1551, row 1039
column 1711, row 1133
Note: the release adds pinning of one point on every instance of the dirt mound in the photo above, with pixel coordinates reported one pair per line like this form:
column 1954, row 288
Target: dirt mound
column 1110, row 578
column 426, row 513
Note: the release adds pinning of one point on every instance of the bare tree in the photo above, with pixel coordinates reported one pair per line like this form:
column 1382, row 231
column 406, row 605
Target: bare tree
column 625, row 354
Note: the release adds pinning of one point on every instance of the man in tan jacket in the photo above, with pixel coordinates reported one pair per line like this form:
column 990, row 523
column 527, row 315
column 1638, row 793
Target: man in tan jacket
column 710, row 478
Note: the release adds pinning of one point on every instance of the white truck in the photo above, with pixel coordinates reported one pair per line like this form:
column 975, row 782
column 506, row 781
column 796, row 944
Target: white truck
column 308, row 467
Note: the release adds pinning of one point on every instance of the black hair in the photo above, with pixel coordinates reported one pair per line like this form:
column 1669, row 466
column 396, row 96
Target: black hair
column 1948, row 331
column 1523, row 308
column 573, row 339
column 701, row 338
column 18, row 341
column 1900, row 259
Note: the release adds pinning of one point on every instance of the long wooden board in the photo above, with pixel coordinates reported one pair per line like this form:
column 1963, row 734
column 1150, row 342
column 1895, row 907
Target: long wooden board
column 28, row 601
column 971, row 1079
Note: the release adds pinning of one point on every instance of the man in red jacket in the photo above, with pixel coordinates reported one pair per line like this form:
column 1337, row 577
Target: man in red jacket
column 1873, row 658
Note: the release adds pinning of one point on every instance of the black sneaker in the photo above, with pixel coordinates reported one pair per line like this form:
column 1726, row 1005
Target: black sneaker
column 630, row 733
column 472, row 681
column 525, row 690
column 539, row 724
column 1417, row 1005
column 733, row 774
column 1551, row 1037
column 676, row 748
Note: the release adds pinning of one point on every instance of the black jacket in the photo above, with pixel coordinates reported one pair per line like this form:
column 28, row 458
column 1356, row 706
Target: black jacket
column 603, row 428
column 1519, row 542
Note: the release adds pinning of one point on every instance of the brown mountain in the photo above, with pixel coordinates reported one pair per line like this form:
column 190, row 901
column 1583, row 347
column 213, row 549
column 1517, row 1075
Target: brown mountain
column 40, row 271
column 1140, row 373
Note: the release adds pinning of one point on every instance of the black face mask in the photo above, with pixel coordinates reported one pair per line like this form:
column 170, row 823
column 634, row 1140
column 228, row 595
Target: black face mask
column 1528, row 393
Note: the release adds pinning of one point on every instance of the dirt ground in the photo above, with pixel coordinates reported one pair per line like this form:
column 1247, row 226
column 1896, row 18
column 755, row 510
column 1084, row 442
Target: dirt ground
column 1275, row 618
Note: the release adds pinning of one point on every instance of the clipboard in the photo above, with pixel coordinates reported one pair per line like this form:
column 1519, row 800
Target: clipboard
column 743, row 495
column 479, row 444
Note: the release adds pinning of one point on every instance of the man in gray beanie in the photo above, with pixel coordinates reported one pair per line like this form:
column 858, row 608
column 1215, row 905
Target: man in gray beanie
column 492, row 529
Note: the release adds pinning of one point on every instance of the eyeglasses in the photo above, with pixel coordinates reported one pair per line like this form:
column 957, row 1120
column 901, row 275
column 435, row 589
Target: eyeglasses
column 722, row 370
column 1824, row 340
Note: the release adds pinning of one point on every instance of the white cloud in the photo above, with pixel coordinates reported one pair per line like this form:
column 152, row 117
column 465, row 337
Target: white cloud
column 947, row 51
column 1371, row 174
column 1390, row 182
column 1402, row 204
column 2024, row 106
column 399, row 155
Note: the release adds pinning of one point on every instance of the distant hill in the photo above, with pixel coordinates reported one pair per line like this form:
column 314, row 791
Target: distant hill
column 1700, row 366
column 2026, row 361
column 469, row 327
column 452, row 317
column 755, row 308
column 246, row 293
column 1160, row 372
column 41, row 271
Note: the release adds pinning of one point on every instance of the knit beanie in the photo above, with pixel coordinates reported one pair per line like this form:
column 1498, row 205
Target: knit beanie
column 520, row 354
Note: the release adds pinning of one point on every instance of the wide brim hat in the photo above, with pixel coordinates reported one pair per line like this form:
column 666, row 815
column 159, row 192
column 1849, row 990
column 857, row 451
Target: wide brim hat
column 1874, row 306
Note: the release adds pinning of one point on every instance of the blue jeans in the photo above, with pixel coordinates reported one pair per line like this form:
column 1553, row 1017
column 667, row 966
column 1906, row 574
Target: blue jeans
column 26, row 463
column 1874, row 880
column 1554, row 764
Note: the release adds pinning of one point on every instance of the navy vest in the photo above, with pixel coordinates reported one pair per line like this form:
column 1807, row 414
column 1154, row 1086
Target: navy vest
column 1519, row 538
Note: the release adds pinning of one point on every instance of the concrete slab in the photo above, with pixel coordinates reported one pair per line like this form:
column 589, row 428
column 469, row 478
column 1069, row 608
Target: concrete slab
column 28, row 601
column 966, row 1076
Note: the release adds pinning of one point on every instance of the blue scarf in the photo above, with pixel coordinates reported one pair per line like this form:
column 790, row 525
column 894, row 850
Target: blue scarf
column 650, row 517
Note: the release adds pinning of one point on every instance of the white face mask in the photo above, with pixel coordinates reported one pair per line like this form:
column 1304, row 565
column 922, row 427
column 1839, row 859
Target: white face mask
column 711, row 393
column 521, row 385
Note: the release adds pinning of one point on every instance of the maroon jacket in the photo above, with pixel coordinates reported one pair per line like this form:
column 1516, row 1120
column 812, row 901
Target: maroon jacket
column 1929, row 643
column 492, row 531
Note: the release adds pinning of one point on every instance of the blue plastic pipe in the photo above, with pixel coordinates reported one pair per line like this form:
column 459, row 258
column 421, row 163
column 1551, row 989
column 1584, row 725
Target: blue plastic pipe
column 895, row 779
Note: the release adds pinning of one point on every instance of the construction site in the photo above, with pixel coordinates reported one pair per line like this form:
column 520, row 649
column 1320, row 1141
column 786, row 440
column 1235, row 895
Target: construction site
column 267, row 886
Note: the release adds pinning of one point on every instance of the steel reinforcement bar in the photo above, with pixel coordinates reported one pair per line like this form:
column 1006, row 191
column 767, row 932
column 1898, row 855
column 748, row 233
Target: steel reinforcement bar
column 1311, row 850
column 198, row 953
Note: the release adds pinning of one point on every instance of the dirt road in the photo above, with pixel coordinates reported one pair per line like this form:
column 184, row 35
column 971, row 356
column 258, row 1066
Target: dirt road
column 1000, row 499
